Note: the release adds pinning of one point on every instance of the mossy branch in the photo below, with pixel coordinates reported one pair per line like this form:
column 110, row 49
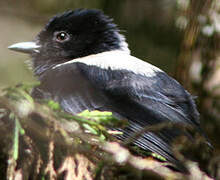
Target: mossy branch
column 42, row 142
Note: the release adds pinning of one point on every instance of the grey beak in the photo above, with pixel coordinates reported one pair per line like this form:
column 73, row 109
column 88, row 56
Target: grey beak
column 25, row 47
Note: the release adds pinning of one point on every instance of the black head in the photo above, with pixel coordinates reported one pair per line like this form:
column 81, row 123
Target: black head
column 74, row 34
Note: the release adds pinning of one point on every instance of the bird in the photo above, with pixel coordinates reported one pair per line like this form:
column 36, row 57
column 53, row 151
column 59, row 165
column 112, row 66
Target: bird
column 83, row 62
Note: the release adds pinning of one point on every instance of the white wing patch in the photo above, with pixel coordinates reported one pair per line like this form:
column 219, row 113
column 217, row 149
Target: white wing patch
column 117, row 60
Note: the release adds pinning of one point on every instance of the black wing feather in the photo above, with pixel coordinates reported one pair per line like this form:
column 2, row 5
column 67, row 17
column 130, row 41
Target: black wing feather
column 149, row 101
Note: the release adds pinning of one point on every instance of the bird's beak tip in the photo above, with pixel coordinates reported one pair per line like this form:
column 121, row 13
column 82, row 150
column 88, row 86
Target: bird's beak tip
column 12, row 47
column 25, row 47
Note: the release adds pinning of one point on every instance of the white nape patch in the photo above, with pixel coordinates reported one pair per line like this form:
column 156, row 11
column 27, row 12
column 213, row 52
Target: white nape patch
column 123, row 44
column 117, row 60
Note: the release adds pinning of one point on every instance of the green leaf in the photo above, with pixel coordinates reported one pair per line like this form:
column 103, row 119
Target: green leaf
column 53, row 105
column 90, row 129
column 157, row 156
column 17, row 130
column 19, row 92
column 102, row 137
column 16, row 140
column 104, row 117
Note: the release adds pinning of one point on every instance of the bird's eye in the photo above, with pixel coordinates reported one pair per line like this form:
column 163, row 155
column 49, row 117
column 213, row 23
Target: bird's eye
column 61, row 36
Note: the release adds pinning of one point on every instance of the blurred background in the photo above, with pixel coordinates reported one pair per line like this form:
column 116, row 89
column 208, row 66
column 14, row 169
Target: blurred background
column 182, row 37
